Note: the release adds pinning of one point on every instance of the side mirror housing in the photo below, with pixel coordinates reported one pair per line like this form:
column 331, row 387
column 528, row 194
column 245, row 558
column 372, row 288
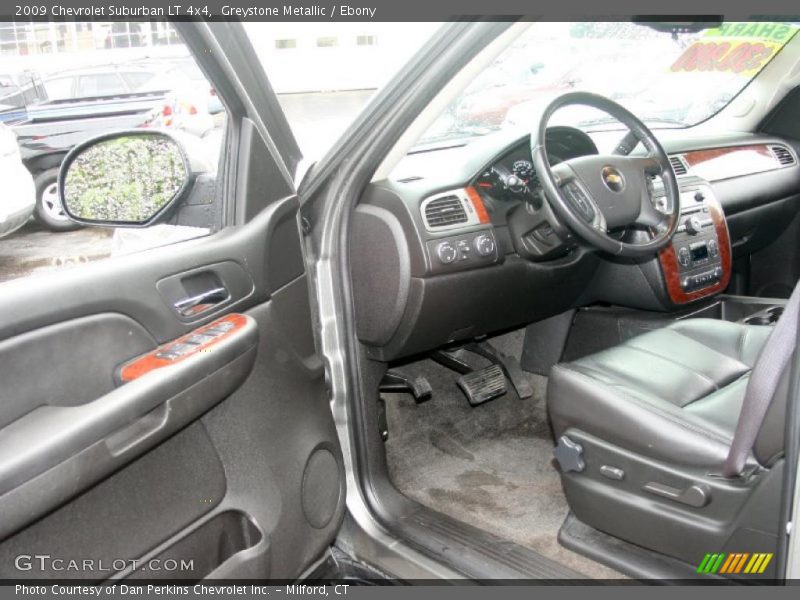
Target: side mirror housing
column 126, row 179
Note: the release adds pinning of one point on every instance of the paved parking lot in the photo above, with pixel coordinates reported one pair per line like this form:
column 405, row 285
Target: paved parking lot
column 33, row 249
column 317, row 120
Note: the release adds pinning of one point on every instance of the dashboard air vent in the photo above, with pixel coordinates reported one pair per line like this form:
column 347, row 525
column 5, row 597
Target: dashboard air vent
column 783, row 155
column 444, row 211
column 678, row 166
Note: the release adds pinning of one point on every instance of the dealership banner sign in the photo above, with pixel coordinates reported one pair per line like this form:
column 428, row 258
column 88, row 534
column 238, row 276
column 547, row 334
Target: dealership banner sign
column 741, row 48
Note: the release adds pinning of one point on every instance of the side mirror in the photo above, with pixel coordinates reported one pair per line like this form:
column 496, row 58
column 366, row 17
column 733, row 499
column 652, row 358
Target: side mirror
column 125, row 179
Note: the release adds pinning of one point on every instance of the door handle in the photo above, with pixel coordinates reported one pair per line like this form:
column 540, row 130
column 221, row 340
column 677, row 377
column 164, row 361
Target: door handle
column 202, row 302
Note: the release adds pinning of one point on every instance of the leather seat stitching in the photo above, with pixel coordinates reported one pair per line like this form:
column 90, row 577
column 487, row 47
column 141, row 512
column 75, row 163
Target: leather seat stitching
column 670, row 417
column 674, row 362
column 688, row 337
column 597, row 375
column 742, row 338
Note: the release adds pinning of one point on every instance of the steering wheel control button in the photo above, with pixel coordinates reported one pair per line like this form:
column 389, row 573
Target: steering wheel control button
column 578, row 199
column 447, row 253
column 484, row 245
column 713, row 248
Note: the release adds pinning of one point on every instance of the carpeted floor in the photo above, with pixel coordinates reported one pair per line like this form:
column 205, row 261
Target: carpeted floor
column 489, row 466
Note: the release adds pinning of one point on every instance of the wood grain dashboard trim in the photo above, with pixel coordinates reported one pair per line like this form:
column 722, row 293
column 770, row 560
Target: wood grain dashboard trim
column 714, row 164
column 671, row 268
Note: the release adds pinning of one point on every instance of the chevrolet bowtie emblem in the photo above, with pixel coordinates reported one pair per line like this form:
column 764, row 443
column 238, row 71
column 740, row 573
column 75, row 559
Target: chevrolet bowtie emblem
column 613, row 179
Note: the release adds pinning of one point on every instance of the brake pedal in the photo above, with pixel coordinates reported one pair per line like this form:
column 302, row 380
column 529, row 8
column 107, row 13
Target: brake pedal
column 483, row 385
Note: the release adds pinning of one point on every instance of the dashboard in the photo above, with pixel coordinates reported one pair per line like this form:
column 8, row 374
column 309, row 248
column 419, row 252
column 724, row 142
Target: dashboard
column 461, row 241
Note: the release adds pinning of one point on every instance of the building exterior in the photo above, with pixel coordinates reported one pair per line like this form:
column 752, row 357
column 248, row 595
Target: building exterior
column 344, row 55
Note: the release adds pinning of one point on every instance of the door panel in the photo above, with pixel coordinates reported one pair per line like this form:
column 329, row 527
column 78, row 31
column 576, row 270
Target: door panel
column 129, row 286
column 153, row 497
column 220, row 452
column 234, row 444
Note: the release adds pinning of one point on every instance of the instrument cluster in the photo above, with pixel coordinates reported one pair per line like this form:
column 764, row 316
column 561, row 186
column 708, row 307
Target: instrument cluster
column 513, row 177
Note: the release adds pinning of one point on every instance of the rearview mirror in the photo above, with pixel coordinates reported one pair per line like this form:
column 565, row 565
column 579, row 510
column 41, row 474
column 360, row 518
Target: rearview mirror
column 125, row 179
column 700, row 23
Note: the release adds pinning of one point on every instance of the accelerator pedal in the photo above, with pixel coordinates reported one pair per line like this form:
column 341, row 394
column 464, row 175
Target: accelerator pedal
column 483, row 385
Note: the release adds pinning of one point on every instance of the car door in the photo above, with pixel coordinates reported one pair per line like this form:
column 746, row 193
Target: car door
column 101, row 84
column 60, row 88
column 224, row 463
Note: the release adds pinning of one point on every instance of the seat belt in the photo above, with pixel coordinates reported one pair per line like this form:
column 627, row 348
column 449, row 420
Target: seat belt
column 764, row 380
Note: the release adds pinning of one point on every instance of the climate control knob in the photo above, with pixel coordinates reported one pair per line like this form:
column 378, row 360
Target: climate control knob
column 446, row 252
column 484, row 245
column 694, row 225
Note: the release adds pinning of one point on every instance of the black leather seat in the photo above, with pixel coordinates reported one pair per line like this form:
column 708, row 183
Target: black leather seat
column 673, row 394
column 644, row 429
column 662, row 444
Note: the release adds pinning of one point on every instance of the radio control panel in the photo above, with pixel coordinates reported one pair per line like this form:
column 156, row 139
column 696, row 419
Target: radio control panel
column 697, row 248
column 698, row 262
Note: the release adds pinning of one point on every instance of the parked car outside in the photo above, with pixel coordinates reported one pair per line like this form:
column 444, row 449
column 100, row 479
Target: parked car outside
column 19, row 89
column 187, row 105
column 185, row 69
column 19, row 197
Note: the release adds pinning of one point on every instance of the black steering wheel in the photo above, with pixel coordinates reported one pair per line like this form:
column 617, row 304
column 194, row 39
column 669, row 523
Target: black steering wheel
column 596, row 193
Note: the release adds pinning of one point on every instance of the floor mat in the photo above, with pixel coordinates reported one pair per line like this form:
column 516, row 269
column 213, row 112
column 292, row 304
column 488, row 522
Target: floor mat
column 488, row 466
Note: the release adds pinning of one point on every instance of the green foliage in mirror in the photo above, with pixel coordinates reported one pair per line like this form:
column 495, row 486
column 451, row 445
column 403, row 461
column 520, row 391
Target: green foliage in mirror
column 124, row 179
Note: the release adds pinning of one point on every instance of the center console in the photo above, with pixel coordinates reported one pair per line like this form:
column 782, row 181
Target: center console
column 698, row 261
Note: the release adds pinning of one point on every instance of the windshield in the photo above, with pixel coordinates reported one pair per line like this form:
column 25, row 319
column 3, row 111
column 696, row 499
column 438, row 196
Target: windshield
column 666, row 79
column 324, row 73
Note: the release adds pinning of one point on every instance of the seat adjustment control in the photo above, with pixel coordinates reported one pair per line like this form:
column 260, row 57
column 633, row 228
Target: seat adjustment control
column 612, row 473
column 696, row 495
column 569, row 455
